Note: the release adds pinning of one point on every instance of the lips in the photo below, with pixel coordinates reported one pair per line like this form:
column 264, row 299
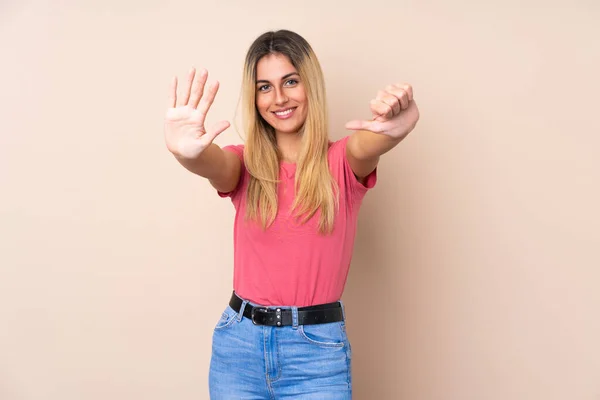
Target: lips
column 284, row 113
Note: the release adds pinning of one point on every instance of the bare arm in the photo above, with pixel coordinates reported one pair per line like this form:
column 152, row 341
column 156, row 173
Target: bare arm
column 190, row 142
column 364, row 148
column 221, row 168
column 395, row 115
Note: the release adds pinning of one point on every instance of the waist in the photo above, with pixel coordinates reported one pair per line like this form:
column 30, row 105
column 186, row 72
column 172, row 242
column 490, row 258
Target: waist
column 288, row 315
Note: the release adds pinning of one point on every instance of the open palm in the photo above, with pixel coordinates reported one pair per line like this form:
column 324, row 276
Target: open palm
column 185, row 134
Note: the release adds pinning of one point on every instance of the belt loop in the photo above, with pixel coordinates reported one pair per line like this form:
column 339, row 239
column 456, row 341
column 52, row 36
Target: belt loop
column 241, row 312
column 343, row 310
column 294, row 317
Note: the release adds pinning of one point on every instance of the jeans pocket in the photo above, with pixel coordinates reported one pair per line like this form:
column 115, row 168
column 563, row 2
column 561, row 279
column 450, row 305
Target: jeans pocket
column 227, row 319
column 323, row 335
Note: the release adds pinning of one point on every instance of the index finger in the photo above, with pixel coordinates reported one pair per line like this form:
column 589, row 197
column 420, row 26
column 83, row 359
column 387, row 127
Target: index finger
column 407, row 88
column 172, row 100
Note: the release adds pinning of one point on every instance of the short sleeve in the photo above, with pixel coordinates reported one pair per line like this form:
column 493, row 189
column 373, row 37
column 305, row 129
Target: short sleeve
column 341, row 167
column 238, row 150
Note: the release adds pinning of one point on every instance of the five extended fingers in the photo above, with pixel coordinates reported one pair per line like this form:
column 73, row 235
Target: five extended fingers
column 192, row 91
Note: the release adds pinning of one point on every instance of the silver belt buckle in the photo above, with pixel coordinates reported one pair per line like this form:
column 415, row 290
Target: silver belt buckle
column 254, row 310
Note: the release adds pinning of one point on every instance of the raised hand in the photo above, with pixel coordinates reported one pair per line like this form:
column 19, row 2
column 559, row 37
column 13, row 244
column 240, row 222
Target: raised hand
column 185, row 134
column 395, row 113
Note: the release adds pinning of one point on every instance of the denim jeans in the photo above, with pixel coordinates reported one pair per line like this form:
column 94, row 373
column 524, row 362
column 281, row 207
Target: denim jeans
column 290, row 362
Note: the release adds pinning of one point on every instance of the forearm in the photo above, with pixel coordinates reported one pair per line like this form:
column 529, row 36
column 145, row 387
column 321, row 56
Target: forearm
column 366, row 145
column 209, row 164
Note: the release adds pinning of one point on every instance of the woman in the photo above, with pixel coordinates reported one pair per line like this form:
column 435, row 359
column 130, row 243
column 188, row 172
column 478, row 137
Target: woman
column 297, row 197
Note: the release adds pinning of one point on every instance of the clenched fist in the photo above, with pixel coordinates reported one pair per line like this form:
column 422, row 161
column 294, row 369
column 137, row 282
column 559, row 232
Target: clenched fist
column 395, row 113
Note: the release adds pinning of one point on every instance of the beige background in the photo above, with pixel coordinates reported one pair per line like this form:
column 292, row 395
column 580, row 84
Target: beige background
column 476, row 268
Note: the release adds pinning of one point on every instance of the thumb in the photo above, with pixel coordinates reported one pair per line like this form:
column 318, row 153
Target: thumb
column 217, row 129
column 358, row 125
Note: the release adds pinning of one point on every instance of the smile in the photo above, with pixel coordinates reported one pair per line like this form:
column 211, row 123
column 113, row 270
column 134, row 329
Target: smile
column 283, row 114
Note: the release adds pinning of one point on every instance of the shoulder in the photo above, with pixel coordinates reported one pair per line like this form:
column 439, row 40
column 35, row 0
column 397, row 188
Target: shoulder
column 341, row 169
column 237, row 149
column 337, row 149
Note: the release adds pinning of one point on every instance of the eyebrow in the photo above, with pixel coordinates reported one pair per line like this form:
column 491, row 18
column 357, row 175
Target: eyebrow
column 282, row 78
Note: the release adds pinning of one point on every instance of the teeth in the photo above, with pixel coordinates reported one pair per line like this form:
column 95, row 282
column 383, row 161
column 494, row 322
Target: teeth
column 284, row 113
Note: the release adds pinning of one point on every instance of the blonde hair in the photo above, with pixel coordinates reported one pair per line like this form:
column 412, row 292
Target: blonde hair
column 316, row 190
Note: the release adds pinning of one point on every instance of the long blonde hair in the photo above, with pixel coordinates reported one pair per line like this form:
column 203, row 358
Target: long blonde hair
column 316, row 190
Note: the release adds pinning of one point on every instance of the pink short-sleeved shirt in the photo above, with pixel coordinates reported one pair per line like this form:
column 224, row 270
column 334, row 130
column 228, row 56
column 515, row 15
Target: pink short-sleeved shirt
column 290, row 263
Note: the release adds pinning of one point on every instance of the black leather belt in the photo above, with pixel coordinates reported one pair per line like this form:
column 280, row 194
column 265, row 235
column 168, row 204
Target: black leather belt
column 272, row 316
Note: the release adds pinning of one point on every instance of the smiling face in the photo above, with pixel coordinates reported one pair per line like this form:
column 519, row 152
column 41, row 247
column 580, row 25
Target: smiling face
column 280, row 95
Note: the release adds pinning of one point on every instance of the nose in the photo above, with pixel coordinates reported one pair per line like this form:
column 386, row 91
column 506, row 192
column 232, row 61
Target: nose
column 281, row 97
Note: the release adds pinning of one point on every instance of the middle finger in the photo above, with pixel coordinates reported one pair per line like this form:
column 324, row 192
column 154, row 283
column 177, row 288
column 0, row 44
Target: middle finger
column 183, row 99
column 198, row 88
column 400, row 94
column 390, row 100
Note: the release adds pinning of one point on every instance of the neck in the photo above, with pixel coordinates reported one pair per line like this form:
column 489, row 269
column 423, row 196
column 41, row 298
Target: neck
column 289, row 146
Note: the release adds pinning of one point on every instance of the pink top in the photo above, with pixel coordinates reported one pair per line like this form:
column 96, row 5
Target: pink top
column 290, row 264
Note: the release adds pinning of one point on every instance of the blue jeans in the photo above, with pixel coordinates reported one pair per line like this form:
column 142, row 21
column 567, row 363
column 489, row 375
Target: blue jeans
column 290, row 362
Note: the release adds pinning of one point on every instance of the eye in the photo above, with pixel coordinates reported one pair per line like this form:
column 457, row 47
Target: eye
column 291, row 82
column 263, row 88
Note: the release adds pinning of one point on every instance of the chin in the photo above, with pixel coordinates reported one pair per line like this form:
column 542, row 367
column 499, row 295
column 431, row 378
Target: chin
column 289, row 131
